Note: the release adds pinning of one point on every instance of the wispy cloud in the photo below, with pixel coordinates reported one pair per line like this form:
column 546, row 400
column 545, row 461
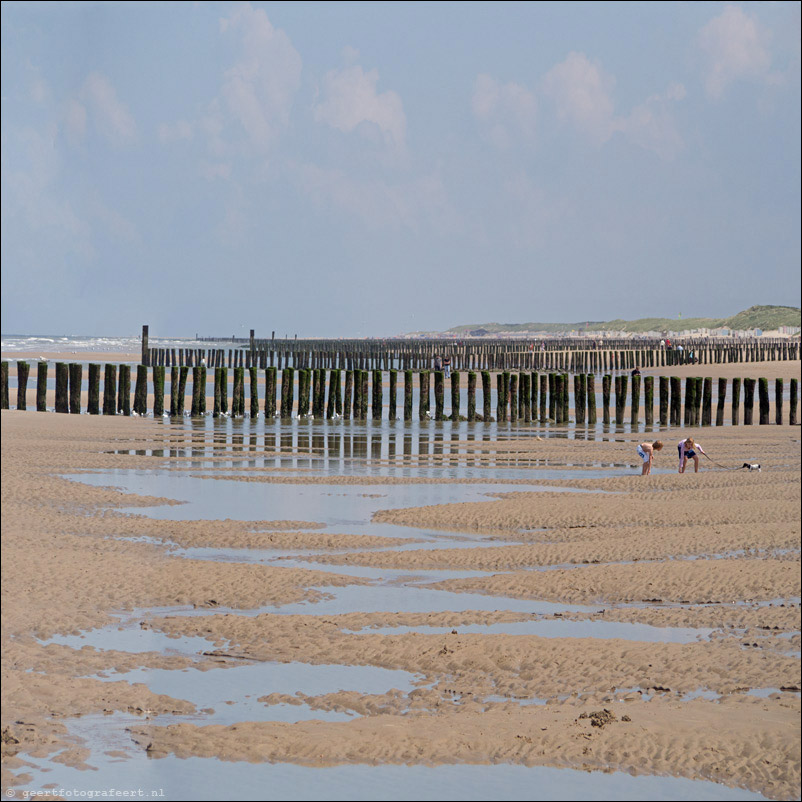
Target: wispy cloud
column 258, row 90
column 351, row 101
column 582, row 93
column 506, row 112
column 735, row 47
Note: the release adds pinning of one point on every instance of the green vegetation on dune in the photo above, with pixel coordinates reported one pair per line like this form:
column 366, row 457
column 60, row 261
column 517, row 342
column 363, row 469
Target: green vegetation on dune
column 767, row 318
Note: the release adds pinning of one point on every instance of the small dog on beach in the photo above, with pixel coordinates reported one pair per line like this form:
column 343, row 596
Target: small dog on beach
column 751, row 467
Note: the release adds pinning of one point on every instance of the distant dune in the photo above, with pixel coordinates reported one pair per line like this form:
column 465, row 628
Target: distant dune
column 767, row 318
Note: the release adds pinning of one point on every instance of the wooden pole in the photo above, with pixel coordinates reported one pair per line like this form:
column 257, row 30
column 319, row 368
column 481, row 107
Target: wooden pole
column 648, row 399
column 512, row 378
column 620, row 399
column 749, row 401
column 196, row 391
column 41, row 388
column 304, row 381
column 158, row 391
column 349, row 394
column 145, row 349
column 487, row 411
column 763, row 395
column 392, row 413
column 141, row 390
column 23, row 370
column 793, row 401
column 607, row 381
column 175, row 373
column 408, row 390
column 4, row 385
column 722, row 398
column 591, row 397
column 707, row 402
column 109, row 390
column 634, row 410
column 471, row 395
column 455, row 381
column 736, row 401
column 423, row 398
column 254, row 382
column 778, row 401
column 376, row 406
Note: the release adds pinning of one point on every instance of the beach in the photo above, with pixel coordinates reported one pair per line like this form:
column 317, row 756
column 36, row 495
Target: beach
column 590, row 619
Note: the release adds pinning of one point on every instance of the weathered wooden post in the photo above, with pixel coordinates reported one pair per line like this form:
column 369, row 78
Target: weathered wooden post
column 749, row 401
column 648, row 399
column 124, row 390
column 141, row 390
column 663, row 418
column 524, row 398
column 337, row 388
column 607, row 381
column 552, row 397
column 392, row 413
column 41, row 388
column 736, row 402
column 778, row 401
column 707, row 402
column 620, row 399
column 512, row 378
column 196, row 391
column 158, row 391
column 175, row 372
column 423, row 390
column 271, row 382
column 581, row 406
column 408, row 390
column 698, row 385
column 109, row 389
column 763, row 400
column 93, row 390
column 690, row 400
column 4, row 385
column 254, row 382
column 145, row 349
column 357, row 394
column 722, row 397
column 331, row 402
column 543, row 395
column 634, row 409
column 377, row 402
column 471, row 395
column 439, row 395
column 793, row 401
column 290, row 393
column 591, row 398
column 487, row 410
column 364, row 378
column 455, row 382
column 238, row 407
column 349, row 394
column 304, row 380
column 23, row 369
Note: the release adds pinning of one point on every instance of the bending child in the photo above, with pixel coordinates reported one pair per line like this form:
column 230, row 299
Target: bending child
column 646, row 453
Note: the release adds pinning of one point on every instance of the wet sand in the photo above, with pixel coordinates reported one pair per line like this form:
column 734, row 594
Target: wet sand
column 716, row 550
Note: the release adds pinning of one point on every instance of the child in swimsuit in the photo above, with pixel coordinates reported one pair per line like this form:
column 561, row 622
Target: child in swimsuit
column 687, row 449
column 646, row 453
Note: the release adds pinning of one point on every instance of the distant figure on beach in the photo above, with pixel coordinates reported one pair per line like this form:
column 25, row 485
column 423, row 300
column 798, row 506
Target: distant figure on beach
column 646, row 453
column 447, row 365
column 688, row 448
column 636, row 371
column 438, row 362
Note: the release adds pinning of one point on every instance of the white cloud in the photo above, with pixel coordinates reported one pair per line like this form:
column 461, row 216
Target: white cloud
column 581, row 91
column 735, row 47
column 259, row 89
column 351, row 99
column 109, row 114
column 506, row 111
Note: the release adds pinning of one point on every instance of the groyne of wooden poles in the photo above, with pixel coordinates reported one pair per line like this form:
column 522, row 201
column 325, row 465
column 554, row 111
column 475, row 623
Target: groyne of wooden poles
column 549, row 354
column 521, row 398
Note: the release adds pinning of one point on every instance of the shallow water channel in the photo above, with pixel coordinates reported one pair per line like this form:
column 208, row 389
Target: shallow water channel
column 229, row 695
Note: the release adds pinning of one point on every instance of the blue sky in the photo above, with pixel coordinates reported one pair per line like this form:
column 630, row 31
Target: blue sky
column 357, row 169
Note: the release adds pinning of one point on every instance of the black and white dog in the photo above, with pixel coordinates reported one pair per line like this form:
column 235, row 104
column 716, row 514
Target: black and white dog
column 751, row 466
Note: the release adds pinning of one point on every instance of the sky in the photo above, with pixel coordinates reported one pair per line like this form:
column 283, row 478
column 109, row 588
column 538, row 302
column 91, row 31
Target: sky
column 370, row 169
